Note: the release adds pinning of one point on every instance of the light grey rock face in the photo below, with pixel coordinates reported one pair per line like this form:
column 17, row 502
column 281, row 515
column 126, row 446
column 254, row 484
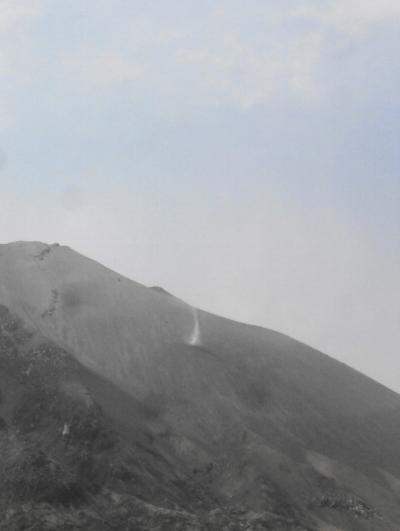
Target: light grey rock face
column 244, row 420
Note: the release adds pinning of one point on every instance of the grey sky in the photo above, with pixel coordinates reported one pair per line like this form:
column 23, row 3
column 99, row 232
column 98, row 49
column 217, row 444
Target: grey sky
column 244, row 155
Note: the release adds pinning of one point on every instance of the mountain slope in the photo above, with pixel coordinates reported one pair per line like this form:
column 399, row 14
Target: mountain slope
column 213, row 423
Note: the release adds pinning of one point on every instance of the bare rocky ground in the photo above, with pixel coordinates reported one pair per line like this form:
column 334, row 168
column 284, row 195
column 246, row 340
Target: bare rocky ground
column 123, row 408
column 65, row 465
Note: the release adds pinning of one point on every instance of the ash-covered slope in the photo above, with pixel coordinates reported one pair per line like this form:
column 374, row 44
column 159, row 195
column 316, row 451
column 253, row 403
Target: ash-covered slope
column 216, row 425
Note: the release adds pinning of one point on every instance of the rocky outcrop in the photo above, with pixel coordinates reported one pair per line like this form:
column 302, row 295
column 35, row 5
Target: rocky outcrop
column 346, row 502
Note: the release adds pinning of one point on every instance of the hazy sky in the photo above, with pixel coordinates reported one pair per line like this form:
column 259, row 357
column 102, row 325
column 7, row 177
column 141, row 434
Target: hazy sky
column 243, row 154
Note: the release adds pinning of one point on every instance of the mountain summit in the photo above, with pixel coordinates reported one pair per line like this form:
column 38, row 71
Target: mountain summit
column 124, row 408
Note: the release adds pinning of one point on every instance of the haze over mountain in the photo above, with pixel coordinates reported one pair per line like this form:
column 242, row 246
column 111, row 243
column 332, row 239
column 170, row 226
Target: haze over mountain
column 122, row 407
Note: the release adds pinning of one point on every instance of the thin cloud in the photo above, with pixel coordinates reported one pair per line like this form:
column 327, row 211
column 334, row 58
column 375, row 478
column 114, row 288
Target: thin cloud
column 352, row 17
column 12, row 12
column 227, row 65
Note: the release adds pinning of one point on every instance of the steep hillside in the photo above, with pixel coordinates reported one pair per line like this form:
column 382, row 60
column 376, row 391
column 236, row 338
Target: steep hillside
column 123, row 406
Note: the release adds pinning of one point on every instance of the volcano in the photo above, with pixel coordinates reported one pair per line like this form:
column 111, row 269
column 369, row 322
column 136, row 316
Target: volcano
column 124, row 408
